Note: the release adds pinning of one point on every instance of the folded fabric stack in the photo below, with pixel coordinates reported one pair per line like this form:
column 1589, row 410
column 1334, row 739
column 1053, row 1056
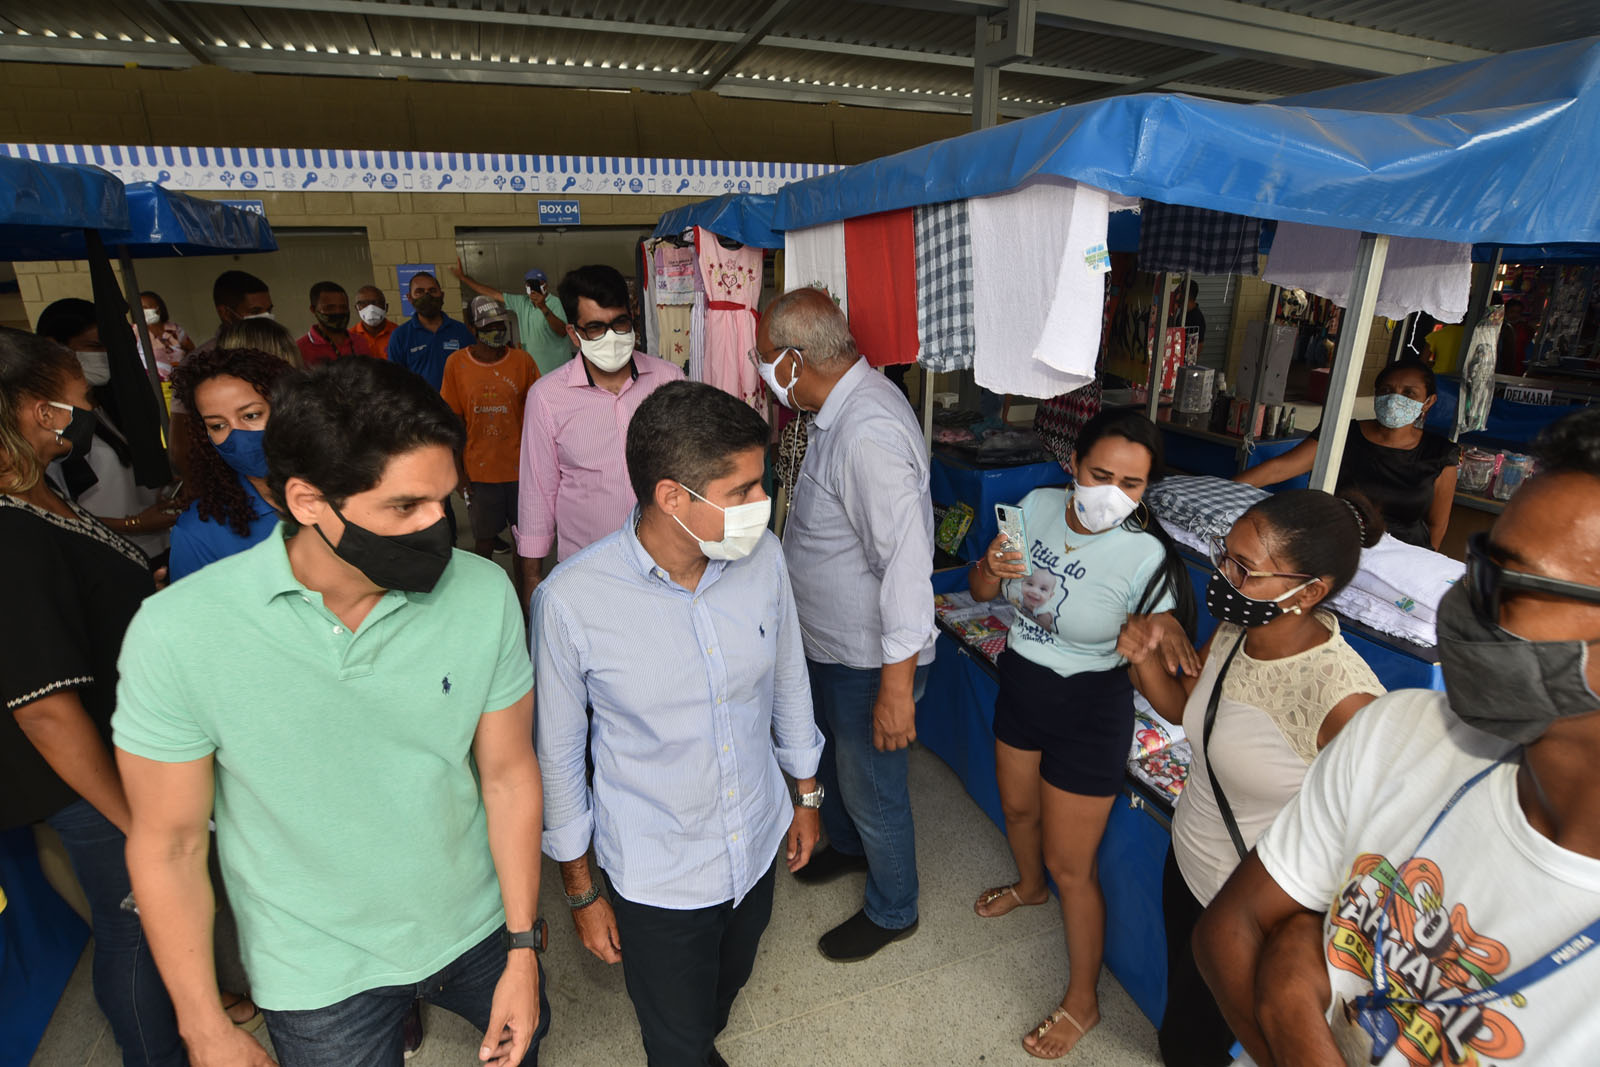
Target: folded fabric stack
column 1204, row 506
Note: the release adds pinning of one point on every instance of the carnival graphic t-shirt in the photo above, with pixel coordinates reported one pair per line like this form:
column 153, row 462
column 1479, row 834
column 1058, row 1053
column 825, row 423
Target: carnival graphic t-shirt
column 1483, row 897
column 1070, row 610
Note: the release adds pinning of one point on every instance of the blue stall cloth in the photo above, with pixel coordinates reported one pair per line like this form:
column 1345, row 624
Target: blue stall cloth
column 41, row 939
column 742, row 217
column 45, row 207
column 1510, row 424
column 1205, row 455
column 954, row 481
column 1495, row 150
column 159, row 223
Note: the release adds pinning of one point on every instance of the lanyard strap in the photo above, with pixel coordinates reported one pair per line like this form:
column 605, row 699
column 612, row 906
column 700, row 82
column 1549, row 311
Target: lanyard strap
column 1569, row 951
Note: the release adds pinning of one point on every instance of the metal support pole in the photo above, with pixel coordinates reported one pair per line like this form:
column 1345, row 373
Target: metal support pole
column 130, row 286
column 1158, row 357
column 927, row 409
column 1348, row 359
column 1247, row 441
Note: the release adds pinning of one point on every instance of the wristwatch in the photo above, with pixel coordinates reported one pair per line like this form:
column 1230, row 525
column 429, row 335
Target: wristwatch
column 537, row 939
column 806, row 800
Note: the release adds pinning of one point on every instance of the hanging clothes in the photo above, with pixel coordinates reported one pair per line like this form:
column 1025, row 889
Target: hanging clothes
column 697, row 331
column 648, row 327
column 1418, row 275
column 881, row 270
column 1175, row 237
column 673, row 288
column 1037, row 302
column 814, row 257
column 1477, row 375
column 1059, row 420
column 944, row 286
column 732, row 278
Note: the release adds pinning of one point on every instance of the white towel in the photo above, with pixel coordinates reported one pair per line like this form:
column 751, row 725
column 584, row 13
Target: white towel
column 1037, row 303
column 814, row 257
column 1411, row 578
column 1418, row 275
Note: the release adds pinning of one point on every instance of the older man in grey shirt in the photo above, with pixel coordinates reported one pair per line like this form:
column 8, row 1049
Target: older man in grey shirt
column 859, row 543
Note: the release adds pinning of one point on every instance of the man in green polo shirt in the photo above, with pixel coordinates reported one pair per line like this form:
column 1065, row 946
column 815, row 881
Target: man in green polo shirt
column 355, row 699
column 541, row 318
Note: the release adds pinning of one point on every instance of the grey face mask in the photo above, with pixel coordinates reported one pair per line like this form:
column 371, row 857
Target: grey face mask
column 1503, row 684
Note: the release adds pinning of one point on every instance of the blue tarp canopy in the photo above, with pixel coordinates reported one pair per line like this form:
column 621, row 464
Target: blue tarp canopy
column 1500, row 150
column 742, row 217
column 167, row 223
column 45, row 207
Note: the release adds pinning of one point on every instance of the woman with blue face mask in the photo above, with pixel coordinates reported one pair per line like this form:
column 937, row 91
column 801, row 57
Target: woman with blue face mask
column 229, row 393
column 1408, row 472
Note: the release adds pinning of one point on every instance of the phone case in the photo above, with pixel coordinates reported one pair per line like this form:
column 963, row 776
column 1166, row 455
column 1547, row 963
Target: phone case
column 1009, row 519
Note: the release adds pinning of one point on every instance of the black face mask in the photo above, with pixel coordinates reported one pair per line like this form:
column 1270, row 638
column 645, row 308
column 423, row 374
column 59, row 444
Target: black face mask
column 79, row 433
column 411, row 563
column 428, row 306
column 1227, row 604
column 333, row 322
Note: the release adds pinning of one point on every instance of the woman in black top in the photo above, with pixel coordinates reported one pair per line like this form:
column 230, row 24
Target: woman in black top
column 1408, row 472
column 73, row 587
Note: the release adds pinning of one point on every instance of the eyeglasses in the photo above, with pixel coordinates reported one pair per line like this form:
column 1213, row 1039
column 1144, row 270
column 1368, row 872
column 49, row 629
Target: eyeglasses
column 593, row 331
column 756, row 357
column 1487, row 580
column 1236, row 573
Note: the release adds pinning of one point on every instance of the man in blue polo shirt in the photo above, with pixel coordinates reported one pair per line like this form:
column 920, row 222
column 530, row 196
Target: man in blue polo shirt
column 355, row 700
column 423, row 343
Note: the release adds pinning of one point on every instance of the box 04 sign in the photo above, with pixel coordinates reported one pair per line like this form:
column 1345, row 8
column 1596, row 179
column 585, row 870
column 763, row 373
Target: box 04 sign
column 558, row 213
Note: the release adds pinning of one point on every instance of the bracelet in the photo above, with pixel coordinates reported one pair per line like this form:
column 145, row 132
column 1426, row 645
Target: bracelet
column 131, row 522
column 584, row 899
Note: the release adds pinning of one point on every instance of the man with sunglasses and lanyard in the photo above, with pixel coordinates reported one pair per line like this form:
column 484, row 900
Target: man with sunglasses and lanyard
column 1442, row 862
column 573, row 476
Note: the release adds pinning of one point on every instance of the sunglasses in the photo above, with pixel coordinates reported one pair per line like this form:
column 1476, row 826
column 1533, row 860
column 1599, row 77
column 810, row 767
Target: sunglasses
column 1487, row 580
column 1234, row 570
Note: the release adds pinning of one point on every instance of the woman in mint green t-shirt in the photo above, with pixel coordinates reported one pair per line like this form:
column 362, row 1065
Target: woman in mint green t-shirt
column 1063, row 721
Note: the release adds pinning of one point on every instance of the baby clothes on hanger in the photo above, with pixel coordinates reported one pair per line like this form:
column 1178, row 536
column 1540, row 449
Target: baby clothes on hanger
column 732, row 279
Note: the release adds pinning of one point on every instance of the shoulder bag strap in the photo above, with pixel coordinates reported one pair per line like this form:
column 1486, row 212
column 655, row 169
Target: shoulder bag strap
column 1205, row 743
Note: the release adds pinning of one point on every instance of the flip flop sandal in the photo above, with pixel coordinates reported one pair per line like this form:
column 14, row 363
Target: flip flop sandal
column 998, row 893
column 1046, row 1026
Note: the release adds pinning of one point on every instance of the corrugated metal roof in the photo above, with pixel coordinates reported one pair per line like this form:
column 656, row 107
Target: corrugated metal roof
column 888, row 53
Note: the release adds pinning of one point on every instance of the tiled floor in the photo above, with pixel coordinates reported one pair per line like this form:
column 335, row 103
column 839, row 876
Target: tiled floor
column 961, row 991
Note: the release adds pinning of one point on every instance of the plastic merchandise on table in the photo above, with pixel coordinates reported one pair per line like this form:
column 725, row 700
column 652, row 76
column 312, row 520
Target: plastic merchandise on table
column 1476, row 471
column 1514, row 470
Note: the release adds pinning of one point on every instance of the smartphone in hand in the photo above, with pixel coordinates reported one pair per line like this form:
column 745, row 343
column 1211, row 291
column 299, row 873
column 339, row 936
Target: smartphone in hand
column 1009, row 518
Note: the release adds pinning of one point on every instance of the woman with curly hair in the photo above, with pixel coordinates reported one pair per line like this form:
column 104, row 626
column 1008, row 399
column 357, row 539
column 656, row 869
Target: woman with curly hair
column 229, row 393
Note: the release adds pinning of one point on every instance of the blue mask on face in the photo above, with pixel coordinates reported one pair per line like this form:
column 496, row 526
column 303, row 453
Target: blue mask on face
column 243, row 451
column 1395, row 410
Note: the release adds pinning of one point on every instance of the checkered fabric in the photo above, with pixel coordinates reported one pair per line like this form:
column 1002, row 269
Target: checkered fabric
column 944, row 286
column 1177, row 238
column 1207, row 506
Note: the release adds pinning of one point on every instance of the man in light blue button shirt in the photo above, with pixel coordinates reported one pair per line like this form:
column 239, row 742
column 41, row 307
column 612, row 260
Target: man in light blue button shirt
column 679, row 632
column 859, row 541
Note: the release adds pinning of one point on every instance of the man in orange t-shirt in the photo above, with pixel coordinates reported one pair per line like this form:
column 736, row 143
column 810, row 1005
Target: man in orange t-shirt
column 372, row 320
column 487, row 385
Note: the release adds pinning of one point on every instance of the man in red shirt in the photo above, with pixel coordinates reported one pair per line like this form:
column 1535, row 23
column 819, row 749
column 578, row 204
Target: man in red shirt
column 329, row 337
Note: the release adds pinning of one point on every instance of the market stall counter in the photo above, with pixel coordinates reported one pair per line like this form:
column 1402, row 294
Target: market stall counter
column 954, row 479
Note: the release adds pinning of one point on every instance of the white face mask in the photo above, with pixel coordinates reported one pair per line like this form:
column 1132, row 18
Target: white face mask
column 742, row 527
column 769, row 374
column 1100, row 507
column 96, row 367
column 152, row 317
column 610, row 353
column 259, row 315
column 373, row 315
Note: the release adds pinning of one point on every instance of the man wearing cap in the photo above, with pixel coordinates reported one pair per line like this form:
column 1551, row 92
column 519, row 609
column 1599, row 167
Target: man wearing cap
column 487, row 384
column 541, row 318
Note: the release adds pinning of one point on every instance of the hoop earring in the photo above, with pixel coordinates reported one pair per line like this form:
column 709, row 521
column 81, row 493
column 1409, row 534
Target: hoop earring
column 1144, row 516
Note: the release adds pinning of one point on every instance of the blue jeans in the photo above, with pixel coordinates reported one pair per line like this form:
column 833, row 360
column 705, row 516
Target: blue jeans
column 364, row 1030
column 127, row 986
column 867, row 807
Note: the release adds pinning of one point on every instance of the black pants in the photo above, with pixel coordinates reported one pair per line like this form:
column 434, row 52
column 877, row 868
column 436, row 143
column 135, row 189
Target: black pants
column 684, row 969
column 1193, row 1032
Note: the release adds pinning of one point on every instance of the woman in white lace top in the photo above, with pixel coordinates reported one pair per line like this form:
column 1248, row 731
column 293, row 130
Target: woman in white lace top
column 1290, row 682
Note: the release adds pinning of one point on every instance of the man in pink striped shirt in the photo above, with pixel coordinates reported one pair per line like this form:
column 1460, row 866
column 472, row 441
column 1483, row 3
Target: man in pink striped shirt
column 573, row 478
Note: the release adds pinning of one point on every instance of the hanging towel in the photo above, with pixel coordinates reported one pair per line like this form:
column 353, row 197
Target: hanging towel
column 814, row 257
column 1037, row 302
column 944, row 286
column 732, row 279
column 1175, row 237
column 1419, row 274
column 880, row 253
